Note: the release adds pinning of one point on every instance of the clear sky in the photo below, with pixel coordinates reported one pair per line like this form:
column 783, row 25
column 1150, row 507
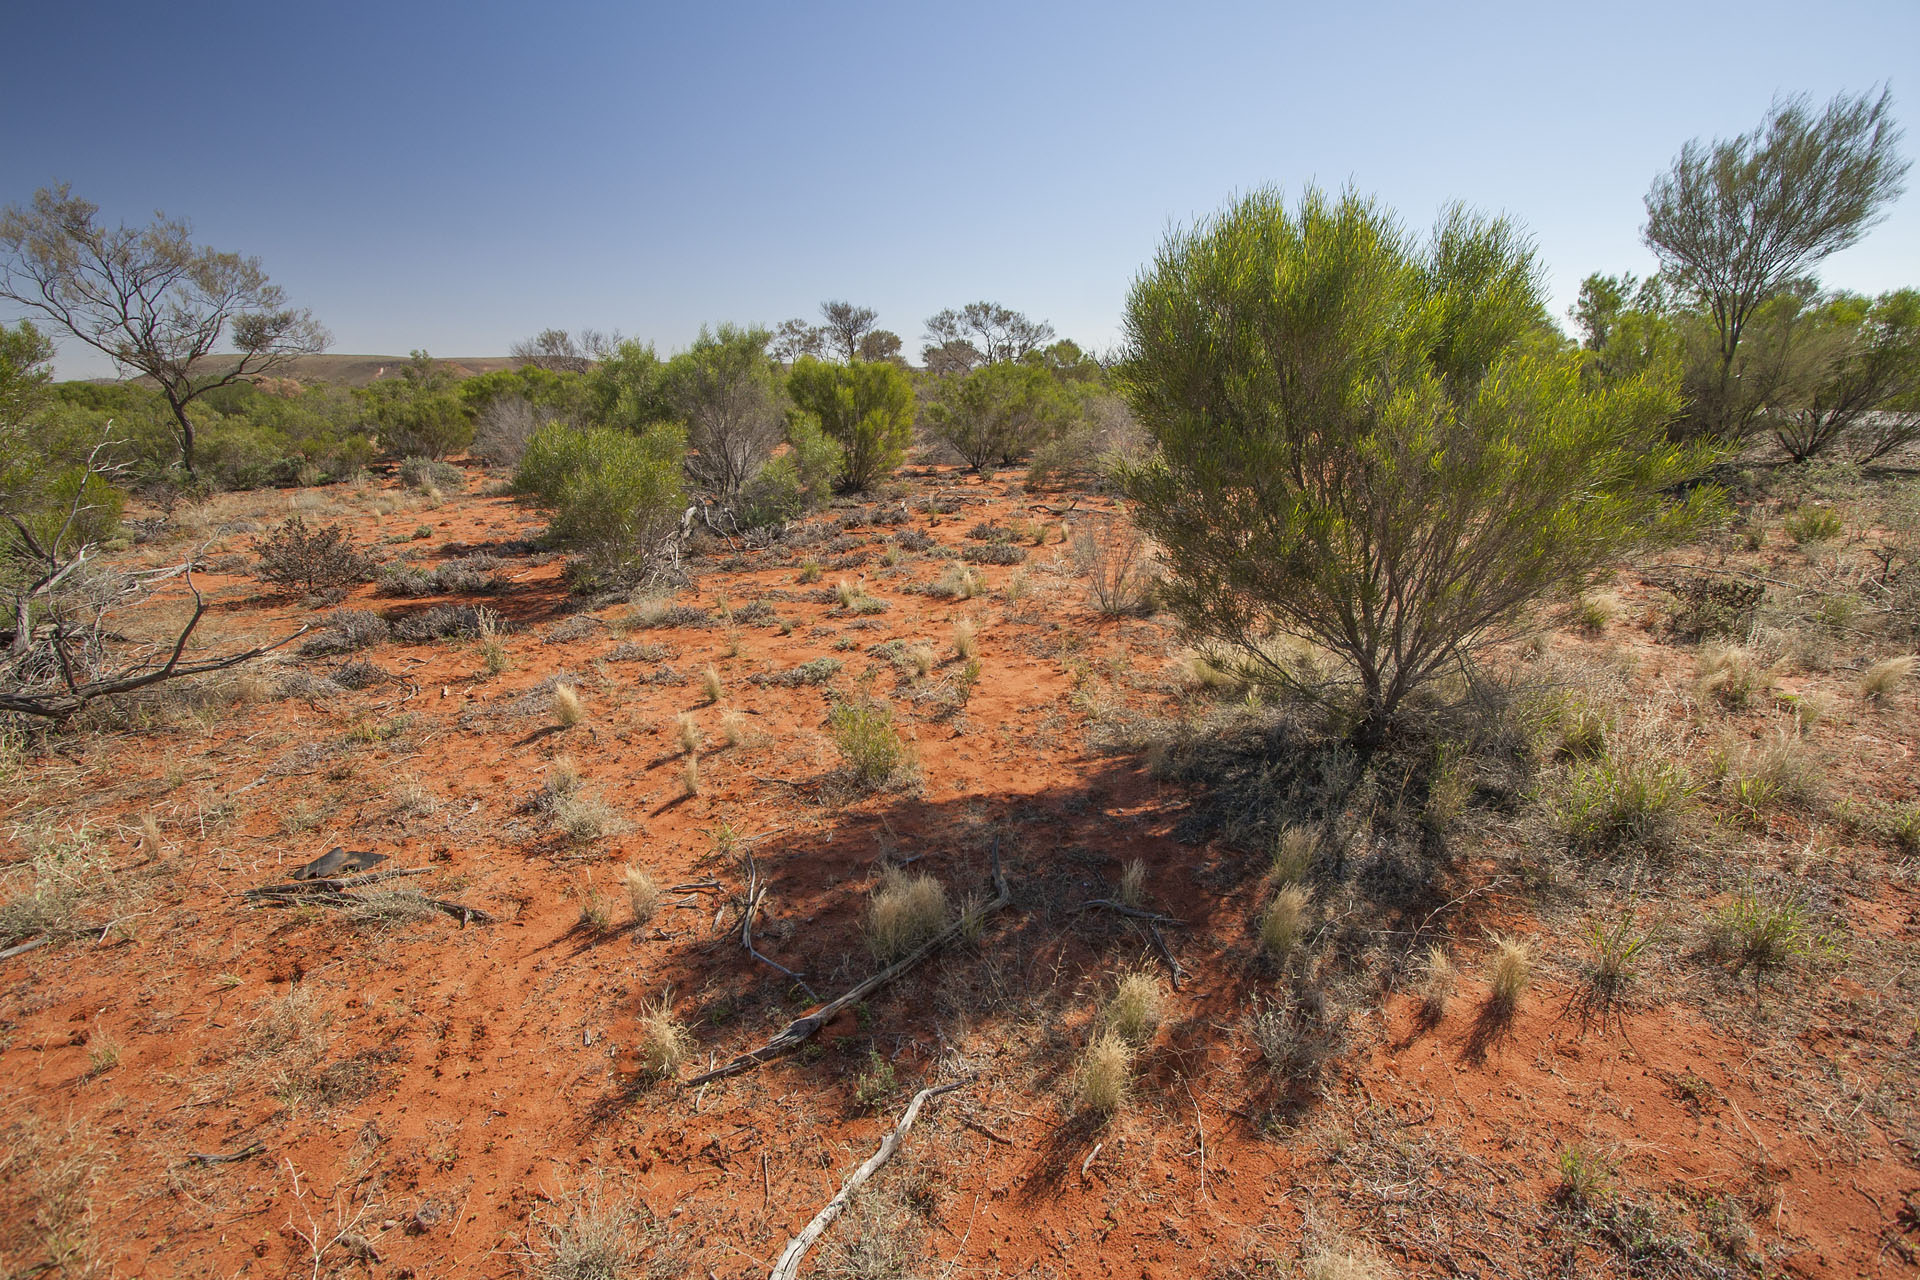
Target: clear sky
column 456, row 176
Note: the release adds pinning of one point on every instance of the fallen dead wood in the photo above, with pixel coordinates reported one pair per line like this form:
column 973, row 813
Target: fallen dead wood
column 801, row 1030
column 458, row 910
column 757, row 890
column 788, row 1265
column 1153, row 921
column 336, row 884
column 25, row 947
column 245, row 1153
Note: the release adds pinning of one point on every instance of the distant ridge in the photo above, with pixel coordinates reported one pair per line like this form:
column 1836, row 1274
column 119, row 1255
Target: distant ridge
column 361, row 371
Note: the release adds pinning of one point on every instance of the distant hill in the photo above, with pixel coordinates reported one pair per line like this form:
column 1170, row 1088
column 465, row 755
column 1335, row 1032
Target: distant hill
column 360, row 371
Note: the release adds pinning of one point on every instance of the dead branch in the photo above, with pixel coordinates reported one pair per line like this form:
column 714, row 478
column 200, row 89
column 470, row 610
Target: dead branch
column 245, row 1153
column 458, row 910
column 1153, row 921
column 801, row 1030
column 757, row 890
column 25, row 947
column 336, row 884
column 788, row 1265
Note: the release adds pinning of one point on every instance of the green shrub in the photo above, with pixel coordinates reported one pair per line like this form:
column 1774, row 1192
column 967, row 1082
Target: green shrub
column 867, row 409
column 616, row 496
column 869, row 744
column 423, row 424
column 1813, row 524
column 1761, row 931
column 1363, row 442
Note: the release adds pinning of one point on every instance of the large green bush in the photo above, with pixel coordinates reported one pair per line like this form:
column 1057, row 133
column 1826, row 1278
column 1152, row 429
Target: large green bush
column 866, row 409
column 1366, row 443
column 616, row 496
column 999, row 413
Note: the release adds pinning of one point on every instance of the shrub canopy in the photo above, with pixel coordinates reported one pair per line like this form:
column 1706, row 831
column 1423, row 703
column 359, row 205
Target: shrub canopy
column 1371, row 444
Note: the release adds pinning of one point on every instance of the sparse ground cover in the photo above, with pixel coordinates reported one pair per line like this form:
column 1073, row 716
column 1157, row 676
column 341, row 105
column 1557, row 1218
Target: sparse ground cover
column 1608, row 969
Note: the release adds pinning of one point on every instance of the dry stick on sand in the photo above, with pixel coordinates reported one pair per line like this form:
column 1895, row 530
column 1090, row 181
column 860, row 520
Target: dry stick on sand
column 756, row 890
column 335, row 884
column 788, row 1265
column 801, row 1030
column 1153, row 920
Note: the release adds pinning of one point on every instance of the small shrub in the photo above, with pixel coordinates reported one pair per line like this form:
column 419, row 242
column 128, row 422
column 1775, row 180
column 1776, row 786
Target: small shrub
column 876, row 1083
column 643, row 894
column 1594, row 613
column 817, row 672
column 1105, row 1077
column 432, row 475
column 1780, row 769
column 921, row 658
column 1112, row 556
column 1584, row 1175
column 1883, row 677
column 346, row 630
column 568, row 708
column 1510, row 972
column 809, row 572
column 733, row 728
column 905, row 912
column 995, row 553
column 493, row 648
column 958, row 582
column 1284, row 923
column 1294, row 1042
column 1812, row 525
column 446, row 621
column 583, row 818
column 868, row 743
column 295, row 557
column 1134, row 1011
column 664, row 1043
column 1708, row 605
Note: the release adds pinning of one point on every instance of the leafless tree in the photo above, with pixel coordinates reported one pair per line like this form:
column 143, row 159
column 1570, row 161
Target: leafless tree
column 560, row 351
column 65, row 650
column 150, row 299
column 992, row 331
column 845, row 325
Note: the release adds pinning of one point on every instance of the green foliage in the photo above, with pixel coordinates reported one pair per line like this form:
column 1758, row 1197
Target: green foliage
column 869, row 744
column 558, row 395
column 45, row 481
column 1736, row 223
column 866, row 409
column 624, row 390
column 999, row 413
column 616, row 495
column 1369, row 443
column 418, row 421
column 724, row 388
column 1609, row 805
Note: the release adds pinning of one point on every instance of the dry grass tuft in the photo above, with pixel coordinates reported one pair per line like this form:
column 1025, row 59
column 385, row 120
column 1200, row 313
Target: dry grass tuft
column 690, row 775
column 1133, row 884
column 664, row 1043
column 1284, row 922
column 583, row 818
column 688, row 732
column 922, row 659
column 150, row 841
column 1883, row 677
column 643, row 894
column 1438, row 978
column 1728, row 675
column 1510, row 973
column 596, row 1241
column 1134, row 1012
column 965, row 645
column 596, row 913
column 906, row 911
column 568, row 709
column 1105, row 1077
column 711, row 684
column 733, row 728
column 1341, row 1262
column 1293, row 852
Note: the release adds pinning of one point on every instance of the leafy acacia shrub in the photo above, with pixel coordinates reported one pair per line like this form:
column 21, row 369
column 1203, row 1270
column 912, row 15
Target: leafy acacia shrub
column 422, row 424
column 865, row 408
column 431, row 473
column 998, row 413
column 616, row 496
column 295, row 557
column 1361, row 443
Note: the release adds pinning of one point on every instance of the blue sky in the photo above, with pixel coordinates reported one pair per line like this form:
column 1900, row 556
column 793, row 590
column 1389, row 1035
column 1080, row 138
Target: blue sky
column 455, row 177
